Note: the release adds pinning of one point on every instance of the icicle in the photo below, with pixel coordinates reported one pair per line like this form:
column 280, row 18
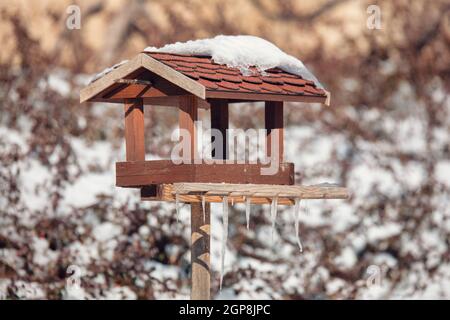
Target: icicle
column 247, row 211
column 306, row 207
column 203, row 206
column 297, row 219
column 177, row 205
column 273, row 214
column 224, row 237
column 232, row 201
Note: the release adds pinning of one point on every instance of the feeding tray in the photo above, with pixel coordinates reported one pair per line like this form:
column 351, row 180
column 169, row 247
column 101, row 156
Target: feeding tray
column 239, row 193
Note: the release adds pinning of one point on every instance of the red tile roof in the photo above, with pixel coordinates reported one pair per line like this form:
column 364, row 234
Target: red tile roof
column 217, row 77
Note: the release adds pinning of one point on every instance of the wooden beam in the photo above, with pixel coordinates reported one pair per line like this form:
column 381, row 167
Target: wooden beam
column 134, row 130
column 141, row 173
column 219, row 121
column 187, row 116
column 134, row 81
column 200, row 248
column 237, row 193
column 245, row 96
column 275, row 130
column 173, row 101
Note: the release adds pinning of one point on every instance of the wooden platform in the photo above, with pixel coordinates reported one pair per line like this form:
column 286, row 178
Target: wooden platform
column 143, row 173
column 237, row 193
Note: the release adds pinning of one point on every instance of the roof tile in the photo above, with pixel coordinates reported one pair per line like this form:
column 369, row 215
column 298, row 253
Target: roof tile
column 272, row 80
column 209, row 71
column 210, row 76
column 230, row 78
column 193, row 75
column 184, row 69
column 294, row 81
column 220, row 77
column 208, row 84
column 313, row 90
column 270, row 87
column 211, row 66
column 230, row 71
column 228, row 85
column 293, row 89
column 249, row 86
column 252, row 79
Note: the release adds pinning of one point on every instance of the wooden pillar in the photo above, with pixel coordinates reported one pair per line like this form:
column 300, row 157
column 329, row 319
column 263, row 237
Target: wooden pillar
column 200, row 228
column 200, row 252
column 188, row 114
column 274, row 123
column 134, row 130
column 219, row 120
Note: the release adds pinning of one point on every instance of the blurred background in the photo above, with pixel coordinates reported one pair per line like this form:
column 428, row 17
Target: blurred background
column 385, row 137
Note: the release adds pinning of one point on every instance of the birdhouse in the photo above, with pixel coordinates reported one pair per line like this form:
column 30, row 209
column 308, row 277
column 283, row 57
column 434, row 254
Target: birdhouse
column 191, row 82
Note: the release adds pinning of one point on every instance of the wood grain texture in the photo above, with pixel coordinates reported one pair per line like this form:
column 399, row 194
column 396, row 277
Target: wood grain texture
column 275, row 129
column 200, row 252
column 188, row 114
column 237, row 193
column 143, row 173
column 134, row 130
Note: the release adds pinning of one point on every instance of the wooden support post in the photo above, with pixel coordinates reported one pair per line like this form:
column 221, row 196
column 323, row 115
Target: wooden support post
column 200, row 252
column 274, row 123
column 219, row 121
column 187, row 117
column 134, row 130
column 200, row 229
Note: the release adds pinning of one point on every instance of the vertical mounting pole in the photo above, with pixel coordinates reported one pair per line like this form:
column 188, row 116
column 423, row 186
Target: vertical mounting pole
column 200, row 229
column 274, row 124
column 200, row 252
column 219, row 121
column 134, row 130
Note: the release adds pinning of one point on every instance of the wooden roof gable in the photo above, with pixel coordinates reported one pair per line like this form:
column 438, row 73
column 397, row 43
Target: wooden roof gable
column 99, row 89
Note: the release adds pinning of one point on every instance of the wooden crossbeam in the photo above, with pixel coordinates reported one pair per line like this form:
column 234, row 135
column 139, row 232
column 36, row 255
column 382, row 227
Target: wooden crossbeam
column 238, row 193
column 134, row 81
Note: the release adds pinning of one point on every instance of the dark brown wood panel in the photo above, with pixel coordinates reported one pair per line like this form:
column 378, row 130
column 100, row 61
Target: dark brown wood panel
column 219, row 121
column 143, row 173
column 274, row 124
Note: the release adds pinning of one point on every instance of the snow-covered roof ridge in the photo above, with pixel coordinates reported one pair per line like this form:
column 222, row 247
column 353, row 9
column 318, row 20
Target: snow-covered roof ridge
column 240, row 52
column 106, row 71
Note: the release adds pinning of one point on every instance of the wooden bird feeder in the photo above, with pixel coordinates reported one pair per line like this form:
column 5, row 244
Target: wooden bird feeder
column 189, row 83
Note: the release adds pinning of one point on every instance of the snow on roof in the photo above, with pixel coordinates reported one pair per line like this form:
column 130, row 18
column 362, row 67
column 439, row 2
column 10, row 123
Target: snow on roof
column 240, row 52
column 106, row 71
